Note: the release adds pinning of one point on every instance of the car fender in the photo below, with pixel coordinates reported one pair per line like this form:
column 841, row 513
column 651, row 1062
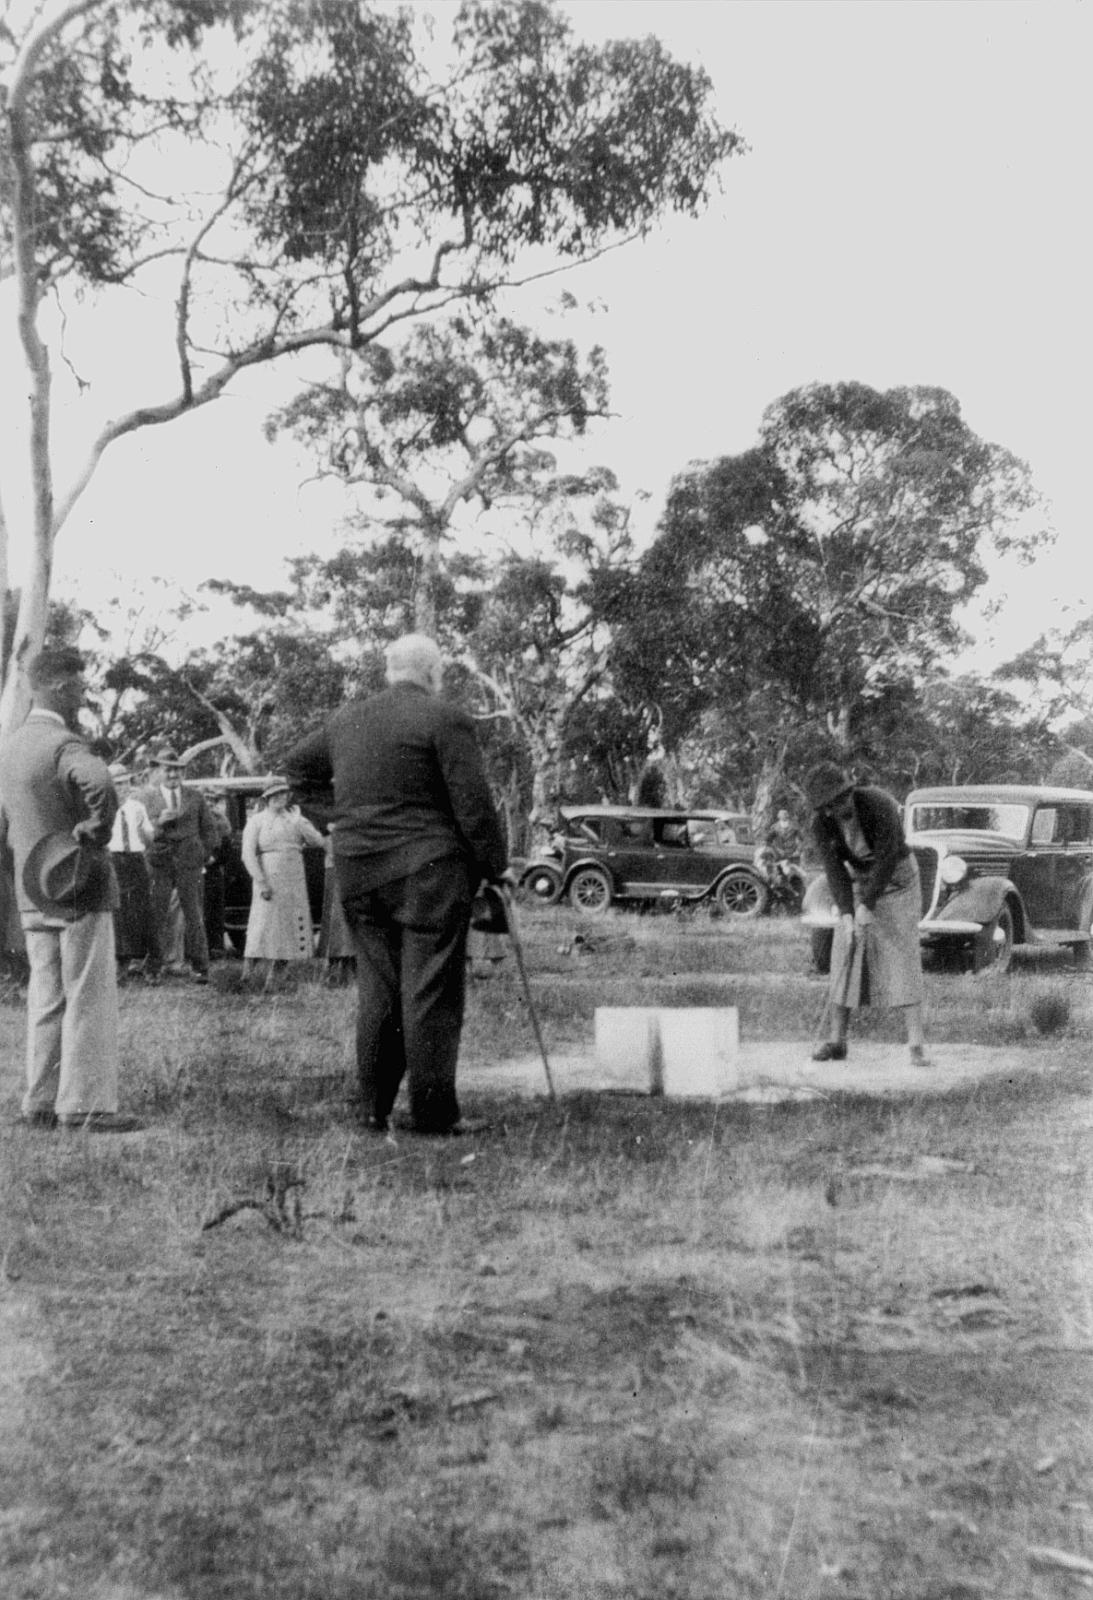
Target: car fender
column 980, row 902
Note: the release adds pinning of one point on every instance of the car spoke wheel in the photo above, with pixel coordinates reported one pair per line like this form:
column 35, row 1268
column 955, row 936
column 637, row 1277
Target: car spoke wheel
column 742, row 894
column 543, row 884
column 590, row 891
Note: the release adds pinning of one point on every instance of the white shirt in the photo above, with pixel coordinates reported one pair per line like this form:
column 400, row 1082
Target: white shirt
column 132, row 827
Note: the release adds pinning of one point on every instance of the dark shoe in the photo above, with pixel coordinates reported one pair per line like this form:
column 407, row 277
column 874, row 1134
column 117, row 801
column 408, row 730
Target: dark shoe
column 829, row 1052
column 101, row 1122
column 376, row 1124
column 463, row 1129
column 201, row 977
column 919, row 1058
column 42, row 1117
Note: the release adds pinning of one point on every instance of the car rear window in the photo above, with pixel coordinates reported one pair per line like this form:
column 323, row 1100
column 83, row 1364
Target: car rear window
column 1008, row 821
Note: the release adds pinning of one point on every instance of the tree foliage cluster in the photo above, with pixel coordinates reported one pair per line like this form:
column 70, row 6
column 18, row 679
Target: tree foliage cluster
column 350, row 178
column 800, row 600
column 363, row 193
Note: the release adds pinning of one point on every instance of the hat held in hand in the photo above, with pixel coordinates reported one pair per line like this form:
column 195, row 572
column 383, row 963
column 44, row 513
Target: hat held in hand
column 488, row 911
column 63, row 876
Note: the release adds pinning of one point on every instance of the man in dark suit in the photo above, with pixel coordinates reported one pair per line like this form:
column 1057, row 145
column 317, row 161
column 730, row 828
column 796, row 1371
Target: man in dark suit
column 415, row 832
column 58, row 806
column 185, row 838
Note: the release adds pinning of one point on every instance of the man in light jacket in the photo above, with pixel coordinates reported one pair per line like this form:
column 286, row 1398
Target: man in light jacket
column 57, row 806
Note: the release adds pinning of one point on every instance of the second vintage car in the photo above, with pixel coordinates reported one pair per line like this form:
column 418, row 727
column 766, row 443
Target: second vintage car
column 602, row 853
column 1002, row 865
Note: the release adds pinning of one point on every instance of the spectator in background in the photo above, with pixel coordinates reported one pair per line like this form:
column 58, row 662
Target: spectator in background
column 279, row 928
column 215, row 873
column 784, row 837
column 184, row 840
column 57, row 812
column 135, row 943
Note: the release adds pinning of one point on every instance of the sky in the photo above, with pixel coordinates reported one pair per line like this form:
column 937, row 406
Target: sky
column 910, row 211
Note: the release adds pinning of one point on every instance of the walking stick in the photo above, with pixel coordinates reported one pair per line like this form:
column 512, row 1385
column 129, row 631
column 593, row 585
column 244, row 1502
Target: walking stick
column 518, row 951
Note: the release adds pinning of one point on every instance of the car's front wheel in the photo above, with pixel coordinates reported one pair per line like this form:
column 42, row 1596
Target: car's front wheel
column 543, row 884
column 590, row 891
column 741, row 894
column 993, row 949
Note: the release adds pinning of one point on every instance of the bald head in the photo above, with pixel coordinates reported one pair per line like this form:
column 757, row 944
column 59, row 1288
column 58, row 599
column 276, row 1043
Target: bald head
column 415, row 658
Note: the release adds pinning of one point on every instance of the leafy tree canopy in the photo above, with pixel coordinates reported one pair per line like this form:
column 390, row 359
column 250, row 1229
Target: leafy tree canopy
column 828, row 565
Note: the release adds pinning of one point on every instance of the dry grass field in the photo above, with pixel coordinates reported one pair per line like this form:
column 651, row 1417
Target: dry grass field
column 613, row 1347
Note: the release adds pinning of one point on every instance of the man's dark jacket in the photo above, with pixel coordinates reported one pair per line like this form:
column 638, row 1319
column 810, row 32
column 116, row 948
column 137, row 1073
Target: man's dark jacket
column 881, row 823
column 409, row 786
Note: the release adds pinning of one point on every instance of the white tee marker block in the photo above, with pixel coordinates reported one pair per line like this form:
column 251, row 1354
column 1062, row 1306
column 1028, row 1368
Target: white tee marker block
column 680, row 1051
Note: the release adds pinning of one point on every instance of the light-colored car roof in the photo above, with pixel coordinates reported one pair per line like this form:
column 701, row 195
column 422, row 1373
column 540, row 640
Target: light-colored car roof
column 1001, row 794
column 244, row 783
column 697, row 813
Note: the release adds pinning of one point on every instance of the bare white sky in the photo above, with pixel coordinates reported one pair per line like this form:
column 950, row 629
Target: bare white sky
column 913, row 209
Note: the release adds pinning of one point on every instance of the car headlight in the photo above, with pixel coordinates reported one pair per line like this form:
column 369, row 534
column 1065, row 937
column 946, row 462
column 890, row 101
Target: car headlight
column 954, row 869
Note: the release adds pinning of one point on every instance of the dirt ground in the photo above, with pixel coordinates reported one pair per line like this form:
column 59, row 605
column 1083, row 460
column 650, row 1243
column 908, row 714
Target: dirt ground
column 781, row 1070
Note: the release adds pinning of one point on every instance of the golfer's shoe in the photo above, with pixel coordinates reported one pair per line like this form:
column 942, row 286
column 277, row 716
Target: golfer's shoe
column 829, row 1051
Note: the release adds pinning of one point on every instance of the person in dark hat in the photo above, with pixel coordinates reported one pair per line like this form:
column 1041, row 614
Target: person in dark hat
column 873, row 879
column 184, row 839
column 415, row 832
column 57, row 807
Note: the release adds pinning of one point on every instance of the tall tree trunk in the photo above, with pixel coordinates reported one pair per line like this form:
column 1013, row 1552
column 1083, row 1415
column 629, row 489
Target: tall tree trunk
column 3, row 590
column 428, row 584
column 30, row 624
column 838, row 726
column 769, row 781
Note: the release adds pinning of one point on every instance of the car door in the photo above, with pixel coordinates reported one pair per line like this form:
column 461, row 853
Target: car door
column 1036, row 871
column 630, row 854
column 679, row 865
column 1074, row 867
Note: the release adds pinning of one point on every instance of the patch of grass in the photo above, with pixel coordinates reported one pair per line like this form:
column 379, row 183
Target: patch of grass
column 618, row 1347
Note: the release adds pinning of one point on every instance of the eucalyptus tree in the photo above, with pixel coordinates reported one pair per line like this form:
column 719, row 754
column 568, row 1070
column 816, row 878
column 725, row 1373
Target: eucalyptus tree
column 826, row 569
column 308, row 177
column 461, row 414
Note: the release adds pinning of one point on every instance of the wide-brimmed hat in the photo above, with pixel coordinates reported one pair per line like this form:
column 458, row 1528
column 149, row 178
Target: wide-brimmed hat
column 826, row 782
column 63, row 876
column 276, row 786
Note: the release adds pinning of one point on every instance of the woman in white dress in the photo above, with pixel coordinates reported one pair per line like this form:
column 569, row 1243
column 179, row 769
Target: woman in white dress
column 279, row 926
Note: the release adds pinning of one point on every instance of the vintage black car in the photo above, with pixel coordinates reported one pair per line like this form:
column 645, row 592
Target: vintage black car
column 633, row 853
column 1001, row 865
column 243, row 795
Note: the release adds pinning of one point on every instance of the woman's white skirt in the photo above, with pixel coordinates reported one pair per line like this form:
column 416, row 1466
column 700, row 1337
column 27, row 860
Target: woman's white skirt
column 280, row 929
column 881, row 964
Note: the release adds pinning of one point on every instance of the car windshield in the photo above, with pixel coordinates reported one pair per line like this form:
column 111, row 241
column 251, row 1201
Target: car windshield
column 1008, row 821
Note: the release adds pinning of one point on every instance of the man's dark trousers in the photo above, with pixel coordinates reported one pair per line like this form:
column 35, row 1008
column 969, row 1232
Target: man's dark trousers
column 189, row 881
column 410, row 938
